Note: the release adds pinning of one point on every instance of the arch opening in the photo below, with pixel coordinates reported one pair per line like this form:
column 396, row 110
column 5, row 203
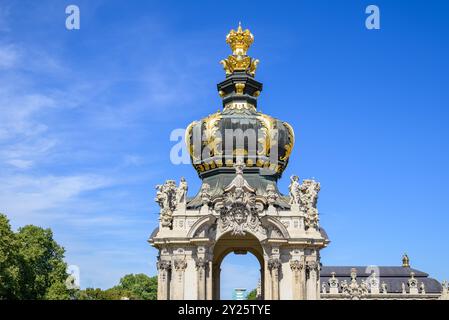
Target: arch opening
column 244, row 265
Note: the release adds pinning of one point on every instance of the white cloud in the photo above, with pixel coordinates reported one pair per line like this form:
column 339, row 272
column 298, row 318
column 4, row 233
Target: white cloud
column 133, row 160
column 26, row 196
column 20, row 164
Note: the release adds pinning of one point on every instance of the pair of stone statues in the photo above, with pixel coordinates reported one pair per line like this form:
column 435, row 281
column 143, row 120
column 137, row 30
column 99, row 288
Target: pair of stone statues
column 305, row 195
column 169, row 196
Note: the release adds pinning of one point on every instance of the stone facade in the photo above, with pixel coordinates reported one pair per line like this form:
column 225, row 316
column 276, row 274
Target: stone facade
column 193, row 243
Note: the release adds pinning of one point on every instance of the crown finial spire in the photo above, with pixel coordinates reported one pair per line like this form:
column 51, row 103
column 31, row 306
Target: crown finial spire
column 240, row 41
column 405, row 261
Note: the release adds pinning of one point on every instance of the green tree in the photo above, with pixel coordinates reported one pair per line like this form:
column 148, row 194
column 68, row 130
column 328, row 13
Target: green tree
column 9, row 261
column 43, row 270
column 90, row 294
column 114, row 293
column 139, row 286
column 31, row 264
column 252, row 295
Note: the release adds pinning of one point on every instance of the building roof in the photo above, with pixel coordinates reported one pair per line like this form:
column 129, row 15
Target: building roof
column 393, row 276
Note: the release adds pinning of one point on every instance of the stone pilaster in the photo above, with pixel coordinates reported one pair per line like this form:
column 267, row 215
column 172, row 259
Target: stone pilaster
column 274, row 265
column 312, row 289
column 163, row 283
column 178, row 279
column 297, row 279
column 209, row 281
column 201, row 268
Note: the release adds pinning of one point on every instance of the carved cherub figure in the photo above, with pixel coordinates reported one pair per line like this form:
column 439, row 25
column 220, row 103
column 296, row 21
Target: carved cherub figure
column 309, row 197
column 161, row 196
column 181, row 196
column 294, row 190
column 165, row 198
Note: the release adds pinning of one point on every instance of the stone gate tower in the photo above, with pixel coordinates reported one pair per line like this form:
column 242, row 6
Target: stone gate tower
column 239, row 154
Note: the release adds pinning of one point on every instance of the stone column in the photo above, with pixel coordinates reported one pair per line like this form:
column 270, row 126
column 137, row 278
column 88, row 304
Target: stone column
column 267, row 287
column 201, row 267
column 312, row 280
column 209, row 282
column 178, row 279
column 274, row 265
column 297, row 279
column 163, row 283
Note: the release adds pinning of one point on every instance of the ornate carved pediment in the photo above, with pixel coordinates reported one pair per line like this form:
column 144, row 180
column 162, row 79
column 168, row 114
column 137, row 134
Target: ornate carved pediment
column 239, row 207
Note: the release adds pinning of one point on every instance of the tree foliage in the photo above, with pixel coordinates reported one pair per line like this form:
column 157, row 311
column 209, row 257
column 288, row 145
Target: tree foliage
column 252, row 295
column 32, row 267
column 31, row 264
column 131, row 286
column 139, row 285
column 9, row 261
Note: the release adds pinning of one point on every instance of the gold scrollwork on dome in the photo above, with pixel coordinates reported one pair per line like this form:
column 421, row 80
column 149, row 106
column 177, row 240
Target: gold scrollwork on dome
column 268, row 130
column 211, row 139
column 189, row 140
column 288, row 147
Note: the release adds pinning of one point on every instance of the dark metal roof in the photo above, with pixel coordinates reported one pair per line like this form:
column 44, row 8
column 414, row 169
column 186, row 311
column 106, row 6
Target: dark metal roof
column 394, row 277
column 219, row 181
column 154, row 233
column 385, row 271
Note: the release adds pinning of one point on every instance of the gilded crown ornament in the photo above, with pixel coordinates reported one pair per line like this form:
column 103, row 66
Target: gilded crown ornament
column 240, row 41
column 214, row 142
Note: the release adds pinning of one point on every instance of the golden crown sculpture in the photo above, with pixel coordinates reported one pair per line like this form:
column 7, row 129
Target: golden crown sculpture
column 239, row 41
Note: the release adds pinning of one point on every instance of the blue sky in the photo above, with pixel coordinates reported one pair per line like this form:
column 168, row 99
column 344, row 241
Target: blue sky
column 86, row 116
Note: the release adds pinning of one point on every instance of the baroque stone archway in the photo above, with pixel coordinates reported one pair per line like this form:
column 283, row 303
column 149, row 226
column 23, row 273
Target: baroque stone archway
column 239, row 245
column 195, row 242
column 239, row 154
